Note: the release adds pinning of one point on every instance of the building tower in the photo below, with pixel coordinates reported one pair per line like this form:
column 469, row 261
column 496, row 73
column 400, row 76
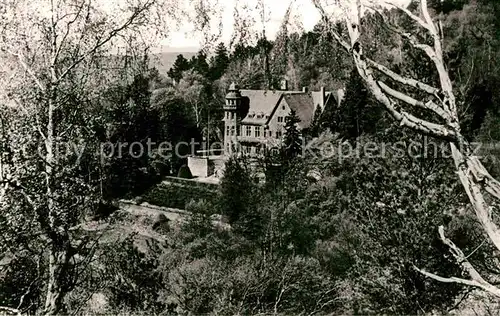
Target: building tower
column 231, row 119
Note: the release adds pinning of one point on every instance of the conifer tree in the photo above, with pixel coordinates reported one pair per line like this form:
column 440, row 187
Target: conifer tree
column 199, row 64
column 219, row 62
column 292, row 145
column 181, row 64
column 235, row 190
column 352, row 113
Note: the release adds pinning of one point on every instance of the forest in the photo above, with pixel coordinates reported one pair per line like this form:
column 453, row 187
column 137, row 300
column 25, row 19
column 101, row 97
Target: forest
column 377, row 234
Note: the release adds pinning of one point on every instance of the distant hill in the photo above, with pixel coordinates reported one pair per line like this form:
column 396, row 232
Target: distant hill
column 164, row 61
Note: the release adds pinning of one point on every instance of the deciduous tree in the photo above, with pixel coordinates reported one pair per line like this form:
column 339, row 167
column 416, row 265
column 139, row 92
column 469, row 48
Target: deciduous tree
column 58, row 54
column 431, row 109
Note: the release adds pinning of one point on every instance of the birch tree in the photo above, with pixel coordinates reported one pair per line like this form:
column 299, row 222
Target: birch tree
column 56, row 55
column 439, row 103
column 192, row 88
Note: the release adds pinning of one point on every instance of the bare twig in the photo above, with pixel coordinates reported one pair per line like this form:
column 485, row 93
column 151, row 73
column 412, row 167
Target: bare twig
column 103, row 41
column 28, row 69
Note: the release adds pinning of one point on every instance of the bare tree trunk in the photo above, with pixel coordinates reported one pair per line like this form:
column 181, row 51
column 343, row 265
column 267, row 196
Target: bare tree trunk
column 56, row 289
column 467, row 168
column 59, row 244
column 197, row 113
column 58, row 240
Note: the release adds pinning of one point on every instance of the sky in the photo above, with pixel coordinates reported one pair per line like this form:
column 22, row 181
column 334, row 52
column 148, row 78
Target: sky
column 185, row 39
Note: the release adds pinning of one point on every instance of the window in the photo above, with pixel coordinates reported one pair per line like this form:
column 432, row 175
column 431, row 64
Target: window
column 283, row 107
column 249, row 131
column 232, row 130
column 278, row 134
column 227, row 130
column 280, row 119
column 257, row 131
column 270, row 133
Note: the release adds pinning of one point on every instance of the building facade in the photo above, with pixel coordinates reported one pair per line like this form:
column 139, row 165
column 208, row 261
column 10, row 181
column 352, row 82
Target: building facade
column 255, row 119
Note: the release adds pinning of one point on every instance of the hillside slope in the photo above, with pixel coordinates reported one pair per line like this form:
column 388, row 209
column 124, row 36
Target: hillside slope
column 164, row 61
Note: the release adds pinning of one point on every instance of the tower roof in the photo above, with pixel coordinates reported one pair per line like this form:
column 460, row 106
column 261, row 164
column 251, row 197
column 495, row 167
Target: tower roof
column 234, row 92
column 234, row 87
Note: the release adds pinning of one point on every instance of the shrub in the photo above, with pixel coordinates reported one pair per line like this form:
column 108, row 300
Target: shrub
column 177, row 196
column 185, row 173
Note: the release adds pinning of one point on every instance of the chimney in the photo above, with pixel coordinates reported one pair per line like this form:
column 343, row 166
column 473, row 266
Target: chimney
column 305, row 89
column 322, row 102
column 284, row 84
column 340, row 96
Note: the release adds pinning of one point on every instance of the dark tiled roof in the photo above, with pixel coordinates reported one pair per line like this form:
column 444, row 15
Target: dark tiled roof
column 262, row 103
column 304, row 107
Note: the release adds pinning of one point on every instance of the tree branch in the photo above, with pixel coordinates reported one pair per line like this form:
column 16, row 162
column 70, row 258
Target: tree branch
column 483, row 177
column 68, row 28
column 435, row 54
column 465, row 166
column 10, row 310
column 406, row 81
column 109, row 37
column 404, row 118
column 416, row 103
column 3, row 191
column 489, row 288
column 28, row 69
column 335, row 34
column 412, row 16
column 477, row 279
column 425, row 12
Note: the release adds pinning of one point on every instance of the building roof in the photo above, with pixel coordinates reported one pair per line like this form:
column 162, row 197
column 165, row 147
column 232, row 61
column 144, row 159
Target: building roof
column 234, row 92
column 304, row 106
column 262, row 103
column 234, row 87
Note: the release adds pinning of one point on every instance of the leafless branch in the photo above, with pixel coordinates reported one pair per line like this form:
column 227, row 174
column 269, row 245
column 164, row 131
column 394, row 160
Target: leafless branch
column 406, row 81
column 415, row 18
column 68, row 29
column 10, row 310
column 106, row 39
column 3, row 191
column 28, row 69
column 416, row 103
column 476, row 279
